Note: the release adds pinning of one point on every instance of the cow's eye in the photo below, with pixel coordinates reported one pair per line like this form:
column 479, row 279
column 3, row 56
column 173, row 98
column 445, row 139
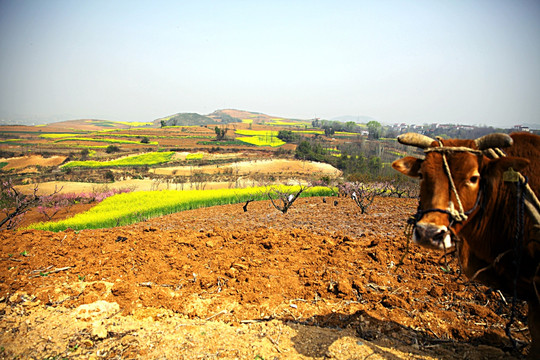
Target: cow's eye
column 474, row 179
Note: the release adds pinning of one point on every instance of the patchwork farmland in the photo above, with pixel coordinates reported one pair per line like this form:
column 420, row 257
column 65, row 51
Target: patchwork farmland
column 211, row 237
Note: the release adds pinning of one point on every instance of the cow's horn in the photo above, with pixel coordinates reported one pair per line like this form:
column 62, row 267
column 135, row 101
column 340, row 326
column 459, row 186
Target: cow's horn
column 414, row 139
column 496, row 140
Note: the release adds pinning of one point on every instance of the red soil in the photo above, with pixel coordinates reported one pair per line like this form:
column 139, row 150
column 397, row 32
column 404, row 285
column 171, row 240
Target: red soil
column 321, row 281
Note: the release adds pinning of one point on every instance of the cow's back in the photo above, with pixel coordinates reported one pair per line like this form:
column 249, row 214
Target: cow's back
column 492, row 234
column 528, row 146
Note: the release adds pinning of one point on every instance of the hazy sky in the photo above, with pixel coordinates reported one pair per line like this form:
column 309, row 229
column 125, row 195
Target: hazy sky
column 455, row 61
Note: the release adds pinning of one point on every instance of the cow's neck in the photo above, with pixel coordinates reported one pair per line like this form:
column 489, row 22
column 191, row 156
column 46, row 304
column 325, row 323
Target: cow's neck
column 489, row 235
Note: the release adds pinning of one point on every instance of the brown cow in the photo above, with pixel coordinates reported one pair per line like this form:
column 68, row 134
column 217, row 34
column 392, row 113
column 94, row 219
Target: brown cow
column 466, row 202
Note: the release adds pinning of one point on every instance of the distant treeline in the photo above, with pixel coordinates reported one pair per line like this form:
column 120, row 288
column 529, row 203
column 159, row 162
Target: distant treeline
column 363, row 160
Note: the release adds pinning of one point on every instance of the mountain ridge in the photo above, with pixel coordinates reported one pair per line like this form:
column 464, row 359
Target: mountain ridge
column 221, row 116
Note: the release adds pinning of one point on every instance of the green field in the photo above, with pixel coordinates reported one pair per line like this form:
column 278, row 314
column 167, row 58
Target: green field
column 260, row 137
column 282, row 122
column 112, row 141
column 196, row 156
column 79, row 146
column 59, row 135
column 320, row 132
column 10, row 141
column 151, row 158
column 134, row 123
column 129, row 208
column 108, row 123
column 262, row 141
column 247, row 132
column 223, row 143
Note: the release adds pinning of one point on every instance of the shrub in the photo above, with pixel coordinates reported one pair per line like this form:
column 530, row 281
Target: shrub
column 109, row 176
column 288, row 136
column 84, row 153
column 112, row 149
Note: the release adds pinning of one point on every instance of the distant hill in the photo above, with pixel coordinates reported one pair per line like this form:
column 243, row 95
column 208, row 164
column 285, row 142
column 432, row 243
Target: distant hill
column 194, row 119
column 94, row 124
column 184, row 119
column 256, row 117
column 224, row 117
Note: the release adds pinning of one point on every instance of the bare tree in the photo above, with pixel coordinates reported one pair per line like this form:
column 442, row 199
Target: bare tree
column 405, row 189
column 198, row 180
column 246, row 205
column 240, row 199
column 50, row 205
column 283, row 200
column 363, row 194
column 14, row 204
column 156, row 182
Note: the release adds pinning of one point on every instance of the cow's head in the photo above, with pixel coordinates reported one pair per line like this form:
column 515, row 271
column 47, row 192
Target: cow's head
column 449, row 165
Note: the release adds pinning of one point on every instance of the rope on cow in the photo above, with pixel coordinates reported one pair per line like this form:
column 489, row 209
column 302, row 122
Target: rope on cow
column 518, row 243
column 526, row 201
column 409, row 229
column 458, row 215
column 532, row 204
column 536, row 273
column 451, row 149
column 446, row 253
column 490, row 266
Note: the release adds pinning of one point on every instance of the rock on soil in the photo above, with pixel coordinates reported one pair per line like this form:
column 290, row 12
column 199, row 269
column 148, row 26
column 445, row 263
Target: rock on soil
column 321, row 281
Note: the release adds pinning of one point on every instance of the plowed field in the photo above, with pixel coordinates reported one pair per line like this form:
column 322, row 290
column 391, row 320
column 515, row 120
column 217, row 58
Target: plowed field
column 321, row 281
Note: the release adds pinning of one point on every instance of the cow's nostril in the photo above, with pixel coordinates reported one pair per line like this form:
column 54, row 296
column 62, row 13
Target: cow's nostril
column 432, row 236
column 439, row 235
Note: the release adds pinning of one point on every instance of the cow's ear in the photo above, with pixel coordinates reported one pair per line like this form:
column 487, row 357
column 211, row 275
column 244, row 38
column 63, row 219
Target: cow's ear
column 409, row 166
column 505, row 163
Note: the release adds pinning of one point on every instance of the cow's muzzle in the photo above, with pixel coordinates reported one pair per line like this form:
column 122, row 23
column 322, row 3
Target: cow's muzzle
column 432, row 236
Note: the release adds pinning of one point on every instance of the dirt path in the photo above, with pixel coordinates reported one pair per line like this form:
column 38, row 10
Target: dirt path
column 318, row 282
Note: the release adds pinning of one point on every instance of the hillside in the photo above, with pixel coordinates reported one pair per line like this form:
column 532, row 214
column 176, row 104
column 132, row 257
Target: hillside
column 184, row 119
column 92, row 125
column 256, row 117
column 224, row 116
column 179, row 119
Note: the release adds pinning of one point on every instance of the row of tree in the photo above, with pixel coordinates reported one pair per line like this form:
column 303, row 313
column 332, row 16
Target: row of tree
column 354, row 164
column 374, row 128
